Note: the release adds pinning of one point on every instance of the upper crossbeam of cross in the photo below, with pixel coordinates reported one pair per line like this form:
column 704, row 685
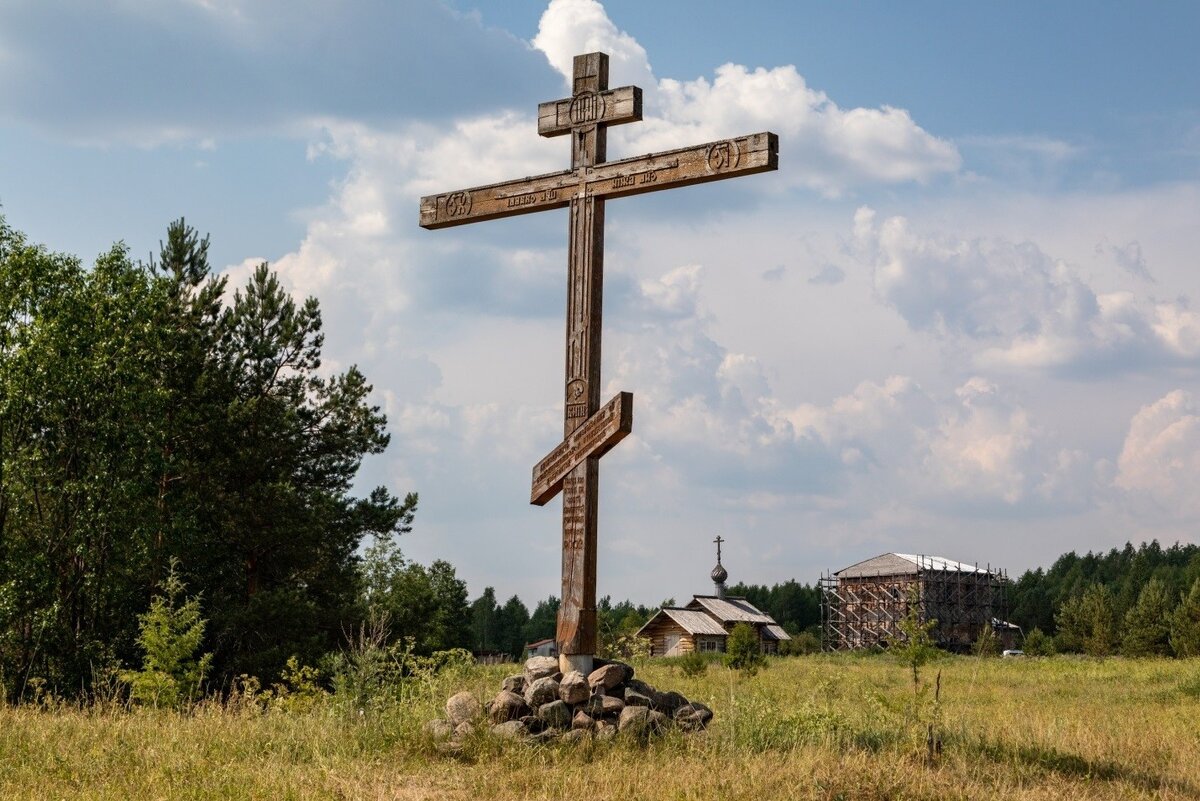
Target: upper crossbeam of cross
column 573, row 467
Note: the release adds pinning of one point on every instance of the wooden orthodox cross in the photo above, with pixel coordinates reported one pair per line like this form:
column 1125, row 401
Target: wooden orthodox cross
column 573, row 467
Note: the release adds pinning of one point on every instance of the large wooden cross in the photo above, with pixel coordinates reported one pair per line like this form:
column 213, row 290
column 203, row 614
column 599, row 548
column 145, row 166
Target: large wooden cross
column 573, row 467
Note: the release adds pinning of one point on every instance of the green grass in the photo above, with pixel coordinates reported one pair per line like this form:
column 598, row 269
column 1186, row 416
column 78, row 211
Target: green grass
column 809, row 727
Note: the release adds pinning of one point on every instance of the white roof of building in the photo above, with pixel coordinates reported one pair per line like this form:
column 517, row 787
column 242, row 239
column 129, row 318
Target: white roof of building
column 776, row 632
column 731, row 609
column 897, row 564
column 691, row 620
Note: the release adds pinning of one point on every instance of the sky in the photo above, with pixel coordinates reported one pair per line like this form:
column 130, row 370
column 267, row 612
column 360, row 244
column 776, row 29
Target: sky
column 959, row 319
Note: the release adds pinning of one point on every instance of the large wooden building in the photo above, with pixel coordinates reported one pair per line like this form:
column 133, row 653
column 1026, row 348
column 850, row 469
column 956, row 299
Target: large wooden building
column 705, row 622
column 862, row 605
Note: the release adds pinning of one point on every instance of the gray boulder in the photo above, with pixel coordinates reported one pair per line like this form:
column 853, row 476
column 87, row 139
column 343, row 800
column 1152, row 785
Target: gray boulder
column 533, row 723
column 635, row 698
column 462, row 707
column 506, row 706
column 514, row 684
column 441, row 729
column 634, row 719
column 610, row 675
column 693, row 717
column 574, row 688
column 510, row 730
column 604, row 706
column 642, row 688
column 556, row 714
column 669, row 701
column 464, row 729
column 657, row 722
column 605, row 730
column 541, row 691
column 539, row 667
column 582, row 720
column 576, row 735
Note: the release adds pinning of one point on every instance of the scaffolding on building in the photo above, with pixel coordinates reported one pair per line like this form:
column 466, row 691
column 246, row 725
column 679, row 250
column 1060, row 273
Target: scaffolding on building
column 865, row 610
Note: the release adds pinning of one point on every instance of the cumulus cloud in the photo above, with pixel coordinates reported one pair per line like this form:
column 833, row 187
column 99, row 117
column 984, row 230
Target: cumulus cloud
column 571, row 27
column 1160, row 458
column 1016, row 307
column 828, row 148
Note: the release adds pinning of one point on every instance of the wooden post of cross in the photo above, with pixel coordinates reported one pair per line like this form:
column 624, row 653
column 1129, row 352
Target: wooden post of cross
column 589, row 431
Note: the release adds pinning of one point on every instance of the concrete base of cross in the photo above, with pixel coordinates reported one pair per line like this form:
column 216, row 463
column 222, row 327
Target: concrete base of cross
column 580, row 662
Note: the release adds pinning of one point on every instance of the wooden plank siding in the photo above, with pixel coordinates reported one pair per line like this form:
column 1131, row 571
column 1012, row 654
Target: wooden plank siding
column 658, row 634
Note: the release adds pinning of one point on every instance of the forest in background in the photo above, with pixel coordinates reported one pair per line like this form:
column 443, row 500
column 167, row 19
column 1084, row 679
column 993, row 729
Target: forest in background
column 155, row 422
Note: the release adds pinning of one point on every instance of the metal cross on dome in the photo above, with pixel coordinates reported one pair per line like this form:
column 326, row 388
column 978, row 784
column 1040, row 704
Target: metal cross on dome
column 589, row 430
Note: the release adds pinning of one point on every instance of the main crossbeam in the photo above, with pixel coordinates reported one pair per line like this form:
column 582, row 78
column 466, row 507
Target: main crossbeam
column 714, row 161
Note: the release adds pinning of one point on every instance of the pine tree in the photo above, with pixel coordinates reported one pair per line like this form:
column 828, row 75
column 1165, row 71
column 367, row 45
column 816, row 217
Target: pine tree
column 1185, row 623
column 1086, row 623
column 1147, row 623
column 170, row 636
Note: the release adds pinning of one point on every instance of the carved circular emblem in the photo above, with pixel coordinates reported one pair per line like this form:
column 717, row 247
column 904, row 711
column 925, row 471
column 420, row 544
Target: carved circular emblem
column 586, row 107
column 723, row 156
column 575, row 390
column 458, row 204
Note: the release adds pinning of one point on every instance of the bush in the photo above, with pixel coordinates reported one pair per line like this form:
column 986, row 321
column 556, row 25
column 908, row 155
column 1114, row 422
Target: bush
column 693, row 664
column 806, row 642
column 170, row 634
column 1038, row 643
column 745, row 651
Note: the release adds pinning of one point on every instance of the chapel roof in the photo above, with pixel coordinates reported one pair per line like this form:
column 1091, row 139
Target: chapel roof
column 690, row 620
column 730, row 609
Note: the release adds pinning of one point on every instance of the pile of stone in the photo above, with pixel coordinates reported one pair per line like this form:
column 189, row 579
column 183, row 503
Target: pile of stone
column 543, row 704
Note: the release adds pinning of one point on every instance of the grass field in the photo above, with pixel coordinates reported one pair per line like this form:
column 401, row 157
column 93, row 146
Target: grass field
column 806, row 727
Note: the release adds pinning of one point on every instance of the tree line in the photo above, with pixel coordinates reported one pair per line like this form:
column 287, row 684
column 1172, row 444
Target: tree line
column 164, row 432
column 1142, row 601
column 152, row 416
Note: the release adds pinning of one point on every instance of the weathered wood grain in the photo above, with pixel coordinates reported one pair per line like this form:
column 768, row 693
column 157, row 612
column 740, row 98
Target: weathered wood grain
column 596, row 437
column 653, row 172
column 573, row 468
column 613, row 107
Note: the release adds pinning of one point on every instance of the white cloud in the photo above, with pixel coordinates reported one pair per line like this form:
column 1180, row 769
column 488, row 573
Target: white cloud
column 571, row 27
column 827, row 148
column 1016, row 307
column 1160, row 458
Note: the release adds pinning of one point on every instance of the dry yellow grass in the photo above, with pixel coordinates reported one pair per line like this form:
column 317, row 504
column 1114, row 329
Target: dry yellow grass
column 817, row 727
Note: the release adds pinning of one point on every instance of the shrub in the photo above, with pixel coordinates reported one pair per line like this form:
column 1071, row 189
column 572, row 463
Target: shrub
column 806, row 642
column 170, row 634
column 745, row 651
column 298, row 688
column 1038, row 643
column 693, row 664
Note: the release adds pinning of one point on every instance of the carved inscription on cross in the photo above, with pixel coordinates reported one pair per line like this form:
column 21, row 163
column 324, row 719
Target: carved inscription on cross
column 589, row 431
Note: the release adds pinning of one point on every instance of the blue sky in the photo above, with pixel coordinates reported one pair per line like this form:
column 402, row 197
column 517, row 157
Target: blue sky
column 959, row 319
